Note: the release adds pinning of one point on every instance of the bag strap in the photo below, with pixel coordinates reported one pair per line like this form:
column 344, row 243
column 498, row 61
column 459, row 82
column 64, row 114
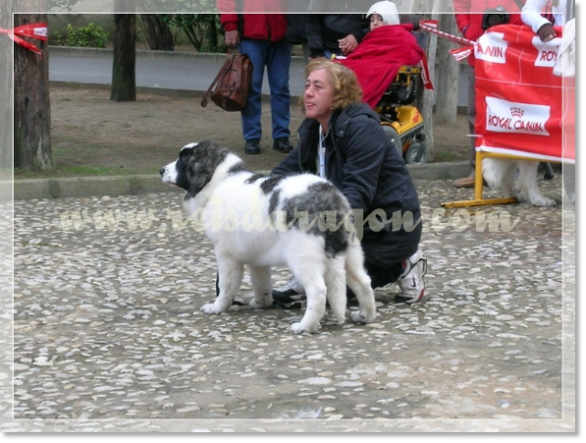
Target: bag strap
column 225, row 67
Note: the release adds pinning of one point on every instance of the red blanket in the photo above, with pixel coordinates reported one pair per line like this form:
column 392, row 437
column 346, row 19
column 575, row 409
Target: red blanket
column 377, row 59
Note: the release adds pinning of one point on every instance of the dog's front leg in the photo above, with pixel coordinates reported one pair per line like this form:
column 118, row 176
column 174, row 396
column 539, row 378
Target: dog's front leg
column 261, row 283
column 230, row 275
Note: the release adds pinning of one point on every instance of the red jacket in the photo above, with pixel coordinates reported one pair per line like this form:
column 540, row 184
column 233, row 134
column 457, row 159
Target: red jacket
column 469, row 15
column 251, row 24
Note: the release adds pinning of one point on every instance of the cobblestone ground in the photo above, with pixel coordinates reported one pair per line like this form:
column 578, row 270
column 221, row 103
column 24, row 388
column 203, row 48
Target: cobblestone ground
column 108, row 333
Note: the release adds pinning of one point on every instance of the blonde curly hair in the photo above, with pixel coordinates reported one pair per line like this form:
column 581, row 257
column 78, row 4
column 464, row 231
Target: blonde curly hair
column 347, row 90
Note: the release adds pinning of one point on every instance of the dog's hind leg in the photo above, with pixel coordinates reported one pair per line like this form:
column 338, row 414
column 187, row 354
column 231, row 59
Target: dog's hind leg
column 309, row 269
column 528, row 189
column 261, row 283
column 315, row 291
column 335, row 278
column 230, row 274
column 358, row 280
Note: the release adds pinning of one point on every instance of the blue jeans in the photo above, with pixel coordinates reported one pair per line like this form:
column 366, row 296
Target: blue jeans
column 276, row 56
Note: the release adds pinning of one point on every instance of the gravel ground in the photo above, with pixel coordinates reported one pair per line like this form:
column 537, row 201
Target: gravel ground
column 108, row 333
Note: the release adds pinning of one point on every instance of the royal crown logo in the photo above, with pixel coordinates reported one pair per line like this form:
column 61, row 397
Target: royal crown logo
column 517, row 112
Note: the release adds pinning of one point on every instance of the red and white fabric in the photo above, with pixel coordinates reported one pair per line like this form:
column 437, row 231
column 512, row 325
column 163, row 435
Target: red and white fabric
column 523, row 109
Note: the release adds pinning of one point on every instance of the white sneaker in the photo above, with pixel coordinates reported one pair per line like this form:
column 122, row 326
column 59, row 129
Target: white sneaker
column 411, row 280
column 289, row 295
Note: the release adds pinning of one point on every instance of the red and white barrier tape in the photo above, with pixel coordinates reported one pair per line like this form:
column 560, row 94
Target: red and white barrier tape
column 34, row 30
column 459, row 53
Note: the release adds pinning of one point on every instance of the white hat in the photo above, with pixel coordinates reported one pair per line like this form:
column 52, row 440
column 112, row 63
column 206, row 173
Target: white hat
column 387, row 10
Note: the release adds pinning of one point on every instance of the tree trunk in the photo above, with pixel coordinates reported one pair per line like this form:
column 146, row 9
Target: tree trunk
column 6, row 90
column 123, row 66
column 447, row 88
column 32, row 109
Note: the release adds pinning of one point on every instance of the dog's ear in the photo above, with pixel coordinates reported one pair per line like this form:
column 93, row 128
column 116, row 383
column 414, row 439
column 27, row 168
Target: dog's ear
column 202, row 161
column 198, row 177
column 186, row 151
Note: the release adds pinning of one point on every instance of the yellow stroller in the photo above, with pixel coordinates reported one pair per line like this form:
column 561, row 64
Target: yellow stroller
column 400, row 119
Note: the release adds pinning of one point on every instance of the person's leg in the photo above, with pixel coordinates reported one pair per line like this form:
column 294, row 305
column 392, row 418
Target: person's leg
column 380, row 277
column 472, row 114
column 306, row 51
column 251, row 114
column 278, row 63
column 468, row 182
column 408, row 273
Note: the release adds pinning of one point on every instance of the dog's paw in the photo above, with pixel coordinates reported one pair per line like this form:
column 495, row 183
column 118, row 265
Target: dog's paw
column 362, row 317
column 542, row 201
column 210, row 308
column 299, row 328
column 264, row 303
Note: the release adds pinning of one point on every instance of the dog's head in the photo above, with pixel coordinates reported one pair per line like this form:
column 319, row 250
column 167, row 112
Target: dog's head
column 194, row 168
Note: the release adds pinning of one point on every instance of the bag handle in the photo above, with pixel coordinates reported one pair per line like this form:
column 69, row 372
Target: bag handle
column 223, row 69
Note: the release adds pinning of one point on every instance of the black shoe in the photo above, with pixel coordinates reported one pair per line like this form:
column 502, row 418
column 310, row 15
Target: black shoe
column 252, row 146
column 289, row 296
column 282, row 145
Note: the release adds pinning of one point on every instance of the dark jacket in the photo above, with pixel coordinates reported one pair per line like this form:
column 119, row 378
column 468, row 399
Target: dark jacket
column 324, row 30
column 363, row 163
column 296, row 29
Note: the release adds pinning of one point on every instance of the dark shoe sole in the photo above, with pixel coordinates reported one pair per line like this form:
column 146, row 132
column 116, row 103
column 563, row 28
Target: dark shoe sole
column 407, row 300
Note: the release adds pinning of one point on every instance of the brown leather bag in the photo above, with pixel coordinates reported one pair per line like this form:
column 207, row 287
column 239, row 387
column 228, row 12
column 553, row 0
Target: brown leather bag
column 231, row 85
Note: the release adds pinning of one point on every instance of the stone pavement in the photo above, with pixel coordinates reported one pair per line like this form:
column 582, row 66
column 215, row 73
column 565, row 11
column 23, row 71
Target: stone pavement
column 108, row 333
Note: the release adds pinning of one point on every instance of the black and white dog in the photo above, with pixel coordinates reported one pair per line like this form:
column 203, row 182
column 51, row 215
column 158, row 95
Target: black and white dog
column 301, row 221
column 517, row 178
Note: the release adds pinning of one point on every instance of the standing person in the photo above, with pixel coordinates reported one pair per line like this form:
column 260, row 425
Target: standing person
column 297, row 33
column 297, row 25
column 342, row 140
column 262, row 38
column 469, row 18
column 531, row 14
column 334, row 34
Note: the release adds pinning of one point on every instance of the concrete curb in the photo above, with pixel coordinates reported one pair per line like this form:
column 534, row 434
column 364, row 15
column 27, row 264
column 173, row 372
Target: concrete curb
column 78, row 187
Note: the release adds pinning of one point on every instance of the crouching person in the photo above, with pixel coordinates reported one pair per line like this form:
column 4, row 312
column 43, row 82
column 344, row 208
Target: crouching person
column 342, row 140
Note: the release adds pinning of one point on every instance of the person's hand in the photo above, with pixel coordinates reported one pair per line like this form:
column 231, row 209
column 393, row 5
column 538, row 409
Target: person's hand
column 347, row 44
column 232, row 38
column 546, row 33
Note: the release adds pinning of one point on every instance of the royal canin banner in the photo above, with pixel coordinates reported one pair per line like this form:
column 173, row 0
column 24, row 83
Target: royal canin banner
column 523, row 109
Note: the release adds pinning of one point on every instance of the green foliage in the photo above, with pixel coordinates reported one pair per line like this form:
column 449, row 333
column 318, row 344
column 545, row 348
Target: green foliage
column 202, row 30
column 90, row 36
